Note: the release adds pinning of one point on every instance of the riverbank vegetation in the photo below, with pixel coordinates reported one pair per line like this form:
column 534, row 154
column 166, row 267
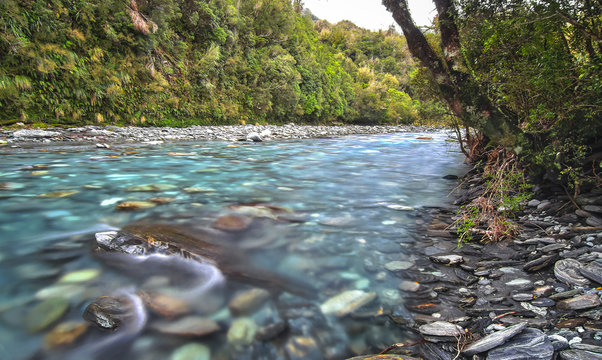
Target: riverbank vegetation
column 185, row 62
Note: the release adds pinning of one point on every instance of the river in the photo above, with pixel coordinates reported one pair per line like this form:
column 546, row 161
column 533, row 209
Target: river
column 333, row 215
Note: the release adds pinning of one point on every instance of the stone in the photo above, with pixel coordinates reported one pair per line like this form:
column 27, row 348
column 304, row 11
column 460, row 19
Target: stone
column 59, row 194
column 196, row 326
column 571, row 323
column 398, row 265
column 191, row 351
column 382, row 357
column 80, row 276
column 150, row 188
column 493, row 340
column 248, row 301
column 164, row 305
column 520, row 282
column 68, row 291
column 242, row 332
column 160, row 200
column 135, row 205
column 410, row 286
column 543, row 302
column 593, row 272
column 441, row 328
column 271, row 331
column 579, row 355
column 580, row 302
column 346, row 302
column 10, row 186
column 531, row 344
column 107, row 312
column 540, row 263
column 447, row 259
column 522, row 297
column 232, row 222
column 533, row 203
column 45, row 314
column 255, row 137
column 568, row 271
column 558, row 342
column 543, row 291
column 302, row 348
column 593, row 221
column 197, row 190
column 65, row 334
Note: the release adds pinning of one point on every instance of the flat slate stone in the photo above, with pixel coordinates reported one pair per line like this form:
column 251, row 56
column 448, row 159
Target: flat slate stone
column 531, row 344
column 540, row 263
column 441, row 328
column 593, row 272
column 580, row 302
column 493, row 340
column 568, row 271
column 579, row 355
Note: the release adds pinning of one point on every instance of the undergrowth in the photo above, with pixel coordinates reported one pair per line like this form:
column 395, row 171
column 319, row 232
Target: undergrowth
column 489, row 217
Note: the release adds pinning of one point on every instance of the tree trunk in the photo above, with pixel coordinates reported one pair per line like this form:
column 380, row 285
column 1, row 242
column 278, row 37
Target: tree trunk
column 455, row 84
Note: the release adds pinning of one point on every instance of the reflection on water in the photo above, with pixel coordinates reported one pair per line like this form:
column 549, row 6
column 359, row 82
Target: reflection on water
column 284, row 250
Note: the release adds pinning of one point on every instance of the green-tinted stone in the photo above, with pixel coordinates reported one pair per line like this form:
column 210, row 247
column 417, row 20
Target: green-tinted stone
column 45, row 313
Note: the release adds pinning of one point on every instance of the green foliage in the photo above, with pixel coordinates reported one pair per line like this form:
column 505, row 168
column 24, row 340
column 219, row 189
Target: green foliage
column 184, row 62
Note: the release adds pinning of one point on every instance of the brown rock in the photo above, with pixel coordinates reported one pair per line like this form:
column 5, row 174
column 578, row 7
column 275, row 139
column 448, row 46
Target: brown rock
column 571, row 323
column 248, row 301
column 232, row 222
column 188, row 326
column 65, row 334
column 164, row 305
column 580, row 302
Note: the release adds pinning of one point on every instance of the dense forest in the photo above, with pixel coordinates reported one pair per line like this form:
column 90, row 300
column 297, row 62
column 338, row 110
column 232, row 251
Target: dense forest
column 185, row 62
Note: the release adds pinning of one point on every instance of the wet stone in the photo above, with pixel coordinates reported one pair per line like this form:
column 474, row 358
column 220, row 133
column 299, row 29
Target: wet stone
column 65, row 334
column 531, row 344
column 346, row 302
column 271, row 331
column 558, row 342
column 447, row 259
column 191, row 351
column 242, row 332
column 540, row 263
column 187, row 326
column 107, row 312
column 248, row 301
column 150, row 188
column 45, row 314
column 398, row 265
column 580, row 302
column 232, row 222
column 493, row 340
column 593, row 272
column 571, row 323
column 164, row 305
column 80, row 276
column 302, row 348
column 135, row 205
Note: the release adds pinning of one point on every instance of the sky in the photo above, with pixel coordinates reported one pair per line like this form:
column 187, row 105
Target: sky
column 369, row 14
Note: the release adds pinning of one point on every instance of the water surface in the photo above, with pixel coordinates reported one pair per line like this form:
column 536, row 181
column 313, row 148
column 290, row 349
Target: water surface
column 328, row 212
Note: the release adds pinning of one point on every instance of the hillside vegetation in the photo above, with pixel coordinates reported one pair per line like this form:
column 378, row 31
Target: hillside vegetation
column 185, row 62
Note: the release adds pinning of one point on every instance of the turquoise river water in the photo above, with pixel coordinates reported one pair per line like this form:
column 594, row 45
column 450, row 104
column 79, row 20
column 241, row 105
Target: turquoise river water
column 323, row 214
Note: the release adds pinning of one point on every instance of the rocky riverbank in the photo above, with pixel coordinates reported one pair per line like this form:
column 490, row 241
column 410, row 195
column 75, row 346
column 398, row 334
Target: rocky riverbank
column 108, row 135
column 534, row 297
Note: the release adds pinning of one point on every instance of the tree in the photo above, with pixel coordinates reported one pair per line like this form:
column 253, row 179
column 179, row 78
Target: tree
column 455, row 84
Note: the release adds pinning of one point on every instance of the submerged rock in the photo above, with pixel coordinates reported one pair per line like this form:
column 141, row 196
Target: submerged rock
column 242, row 332
column 135, row 205
column 191, row 351
column 398, row 265
column 150, row 188
column 232, row 222
column 45, row 314
column 80, row 276
column 65, row 334
column 165, row 305
column 59, row 194
column 346, row 302
column 303, row 348
column 187, row 326
column 248, row 301
column 107, row 312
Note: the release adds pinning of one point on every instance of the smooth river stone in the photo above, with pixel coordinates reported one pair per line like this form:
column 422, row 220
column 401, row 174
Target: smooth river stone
column 441, row 328
column 398, row 265
column 493, row 340
column 80, row 276
column 248, row 301
column 45, row 313
column 150, row 188
column 191, row 351
column 59, row 194
column 580, row 302
column 447, row 259
column 135, row 205
column 242, row 332
column 187, row 326
column 165, row 305
column 303, row 348
column 531, row 344
column 347, row 302
column 65, row 334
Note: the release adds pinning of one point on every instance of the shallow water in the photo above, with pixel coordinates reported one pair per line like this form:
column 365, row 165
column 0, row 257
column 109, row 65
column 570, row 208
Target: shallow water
column 339, row 210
